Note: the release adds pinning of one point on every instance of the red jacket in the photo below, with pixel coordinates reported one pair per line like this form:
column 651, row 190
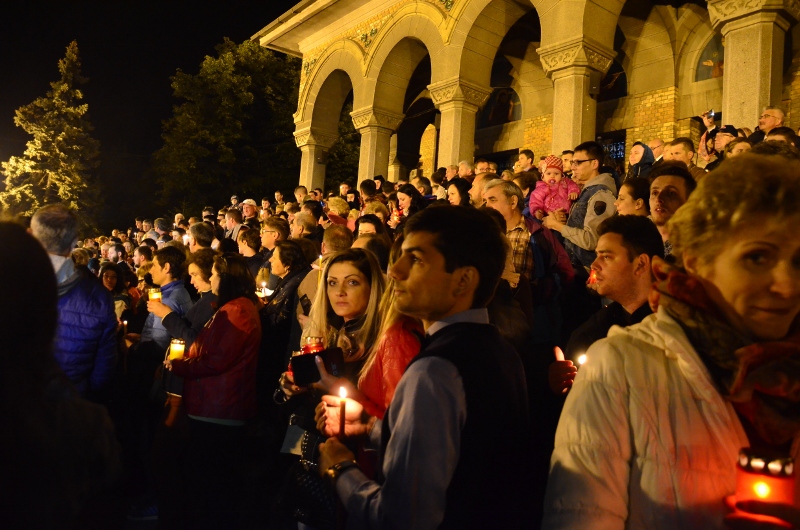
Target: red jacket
column 220, row 370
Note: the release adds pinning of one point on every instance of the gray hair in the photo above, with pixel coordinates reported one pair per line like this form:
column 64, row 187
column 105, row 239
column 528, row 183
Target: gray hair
column 466, row 163
column 508, row 188
column 56, row 228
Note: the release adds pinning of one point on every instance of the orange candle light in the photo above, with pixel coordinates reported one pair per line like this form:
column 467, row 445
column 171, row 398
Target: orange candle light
column 582, row 359
column 154, row 294
column 124, row 327
column 176, row 349
column 342, row 406
column 765, row 478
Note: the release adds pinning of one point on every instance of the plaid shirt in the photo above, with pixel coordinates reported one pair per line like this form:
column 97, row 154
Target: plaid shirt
column 521, row 253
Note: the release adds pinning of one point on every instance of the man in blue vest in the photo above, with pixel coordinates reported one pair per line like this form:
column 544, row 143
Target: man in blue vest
column 455, row 441
column 594, row 204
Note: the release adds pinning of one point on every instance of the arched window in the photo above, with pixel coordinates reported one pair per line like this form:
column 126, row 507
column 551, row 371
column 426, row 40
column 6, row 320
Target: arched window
column 502, row 107
column 711, row 63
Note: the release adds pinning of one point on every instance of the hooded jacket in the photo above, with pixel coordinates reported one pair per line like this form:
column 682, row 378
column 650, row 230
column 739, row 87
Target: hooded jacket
column 645, row 440
column 642, row 167
column 85, row 346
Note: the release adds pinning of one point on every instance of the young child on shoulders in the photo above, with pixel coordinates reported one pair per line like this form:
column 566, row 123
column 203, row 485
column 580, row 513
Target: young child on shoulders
column 554, row 191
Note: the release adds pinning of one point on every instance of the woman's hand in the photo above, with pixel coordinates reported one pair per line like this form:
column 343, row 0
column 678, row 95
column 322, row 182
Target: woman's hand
column 356, row 423
column 755, row 515
column 168, row 364
column 288, row 386
column 330, row 383
column 561, row 375
column 393, row 222
column 158, row 308
column 551, row 222
column 539, row 214
column 303, row 320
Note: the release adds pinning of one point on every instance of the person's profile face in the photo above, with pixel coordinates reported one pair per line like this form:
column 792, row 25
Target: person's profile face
column 667, row 194
column 614, row 271
column 636, row 154
column 738, row 149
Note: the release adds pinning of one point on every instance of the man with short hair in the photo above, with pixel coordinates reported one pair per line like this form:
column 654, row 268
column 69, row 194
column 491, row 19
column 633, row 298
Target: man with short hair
column 344, row 189
column 233, row 223
column 167, row 273
column 303, row 225
column 300, row 194
column 275, row 229
column 250, row 214
column 437, row 468
column 85, row 345
column 481, row 166
column 451, row 173
column 594, row 204
column 476, row 191
column 656, row 145
column 141, row 255
column 782, row 134
column 670, row 187
column 279, row 198
column 566, row 158
column 493, row 167
column 423, row 185
column 201, row 235
column 465, row 170
column 771, row 117
column 682, row 149
column 525, row 159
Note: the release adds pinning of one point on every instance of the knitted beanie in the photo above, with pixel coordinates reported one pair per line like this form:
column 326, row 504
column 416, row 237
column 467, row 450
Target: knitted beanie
column 554, row 162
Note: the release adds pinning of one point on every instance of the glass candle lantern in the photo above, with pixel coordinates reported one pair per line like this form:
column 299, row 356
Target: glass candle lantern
column 764, row 477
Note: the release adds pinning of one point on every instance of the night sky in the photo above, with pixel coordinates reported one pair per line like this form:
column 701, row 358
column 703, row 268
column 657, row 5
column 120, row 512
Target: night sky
column 128, row 50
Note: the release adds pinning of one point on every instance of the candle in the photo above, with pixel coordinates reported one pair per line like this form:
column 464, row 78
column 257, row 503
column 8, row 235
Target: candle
column 176, row 349
column 154, row 294
column 559, row 354
column 319, row 273
column 124, row 327
column 766, row 478
column 582, row 359
column 264, row 289
column 342, row 404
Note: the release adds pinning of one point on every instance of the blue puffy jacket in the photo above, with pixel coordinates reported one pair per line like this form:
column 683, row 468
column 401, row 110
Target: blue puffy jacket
column 85, row 345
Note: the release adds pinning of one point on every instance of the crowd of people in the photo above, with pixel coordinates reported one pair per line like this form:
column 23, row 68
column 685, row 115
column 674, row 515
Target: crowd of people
column 559, row 345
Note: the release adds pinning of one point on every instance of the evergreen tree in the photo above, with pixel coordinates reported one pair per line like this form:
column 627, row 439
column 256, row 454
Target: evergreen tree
column 57, row 164
column 232, row 133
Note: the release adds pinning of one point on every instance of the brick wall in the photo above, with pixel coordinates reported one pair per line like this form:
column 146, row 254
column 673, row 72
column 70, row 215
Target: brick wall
column 427, row 151
column 654, row 117
column 538, row 135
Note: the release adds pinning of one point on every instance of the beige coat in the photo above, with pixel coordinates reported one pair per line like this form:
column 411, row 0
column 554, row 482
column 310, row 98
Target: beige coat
column 645, row 440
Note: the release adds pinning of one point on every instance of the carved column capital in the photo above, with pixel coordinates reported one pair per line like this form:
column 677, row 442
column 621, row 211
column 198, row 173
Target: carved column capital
column 576, row 52
column 724, row 11
column 311, row 136
column 373, row 117
column 458, row 90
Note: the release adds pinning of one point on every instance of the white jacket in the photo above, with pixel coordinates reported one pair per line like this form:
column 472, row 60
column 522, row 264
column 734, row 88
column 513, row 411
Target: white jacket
column 645, row 441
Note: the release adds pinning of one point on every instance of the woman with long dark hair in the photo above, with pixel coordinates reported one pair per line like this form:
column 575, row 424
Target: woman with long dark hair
column 458, row 192
column 220, row 395
column 410, row 201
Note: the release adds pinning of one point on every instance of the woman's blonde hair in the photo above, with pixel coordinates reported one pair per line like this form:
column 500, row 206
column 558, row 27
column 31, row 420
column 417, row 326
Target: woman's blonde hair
column 387, row 309
column 734, row 194
column 377, row 207
column 338, row 206
column 321, row 310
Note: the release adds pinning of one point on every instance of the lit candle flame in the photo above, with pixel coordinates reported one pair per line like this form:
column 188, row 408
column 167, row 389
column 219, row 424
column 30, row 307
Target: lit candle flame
column 582, row 359
column 761, row 490
column 342, row 392
column 263, row 284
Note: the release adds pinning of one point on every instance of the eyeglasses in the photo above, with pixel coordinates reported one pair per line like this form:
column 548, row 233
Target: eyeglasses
column 579, row 162
column 268, row 231
column 765, row 116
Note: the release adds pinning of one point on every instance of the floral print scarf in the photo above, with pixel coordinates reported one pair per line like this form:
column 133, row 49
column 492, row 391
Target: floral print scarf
column 761, row 379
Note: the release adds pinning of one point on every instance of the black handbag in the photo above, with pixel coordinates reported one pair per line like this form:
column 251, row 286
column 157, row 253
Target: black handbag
column 308, row 497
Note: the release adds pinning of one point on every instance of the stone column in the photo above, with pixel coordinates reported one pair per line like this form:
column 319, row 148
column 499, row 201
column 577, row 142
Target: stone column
column 314, row 146
column 376, row 128
column 754, row 34
column 576, row 68
column 396, row 169
column 458, row 102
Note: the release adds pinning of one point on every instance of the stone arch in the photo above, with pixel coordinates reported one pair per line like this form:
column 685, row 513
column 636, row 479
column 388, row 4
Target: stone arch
column 411, row 34
column 696, row 97
column 480, row 30
column 325, row 82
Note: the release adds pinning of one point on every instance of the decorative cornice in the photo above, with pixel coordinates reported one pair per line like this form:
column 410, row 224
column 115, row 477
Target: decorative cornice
column 372, row 117
column 309, row 136
column 458, row 90
column 722, row 11
column 577, row 52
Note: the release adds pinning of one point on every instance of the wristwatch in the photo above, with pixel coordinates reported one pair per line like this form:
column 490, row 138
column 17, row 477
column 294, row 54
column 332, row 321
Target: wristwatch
column 335, row 470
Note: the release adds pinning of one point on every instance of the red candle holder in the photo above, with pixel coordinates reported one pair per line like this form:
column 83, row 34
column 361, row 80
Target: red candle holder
column 764, row 477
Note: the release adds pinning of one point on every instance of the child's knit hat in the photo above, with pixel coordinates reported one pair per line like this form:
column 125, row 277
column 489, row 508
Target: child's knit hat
column 554, row 162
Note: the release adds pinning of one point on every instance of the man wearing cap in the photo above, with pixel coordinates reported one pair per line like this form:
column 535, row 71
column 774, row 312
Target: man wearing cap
column 249, row 209
column 723, row 137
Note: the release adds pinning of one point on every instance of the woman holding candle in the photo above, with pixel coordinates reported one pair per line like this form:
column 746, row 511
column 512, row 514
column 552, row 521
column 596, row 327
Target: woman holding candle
column 651, row 430
column 410, row 201
column 112, row 279
column 220, row 395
